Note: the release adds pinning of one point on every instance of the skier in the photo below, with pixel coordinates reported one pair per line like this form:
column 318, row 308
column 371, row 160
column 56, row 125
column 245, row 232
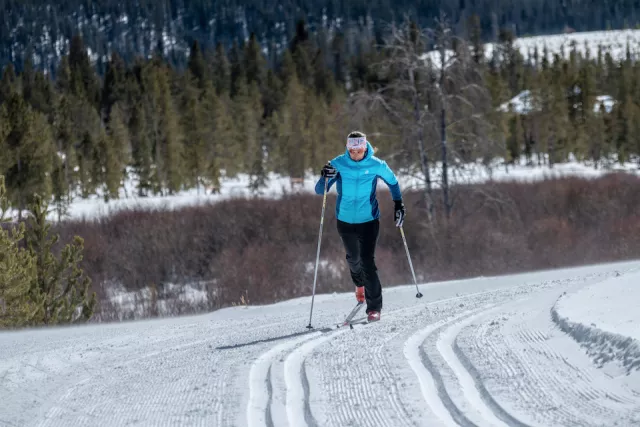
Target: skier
column 356, row 173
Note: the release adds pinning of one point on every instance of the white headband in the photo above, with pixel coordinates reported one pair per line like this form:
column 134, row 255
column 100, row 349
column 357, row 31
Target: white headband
column 357, row 142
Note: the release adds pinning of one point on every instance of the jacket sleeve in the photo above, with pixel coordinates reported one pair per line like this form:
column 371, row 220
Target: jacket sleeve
column 390, row 179
column 320, row 185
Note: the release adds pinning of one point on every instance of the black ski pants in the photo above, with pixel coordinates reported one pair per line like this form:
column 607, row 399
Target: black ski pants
column 360, row 243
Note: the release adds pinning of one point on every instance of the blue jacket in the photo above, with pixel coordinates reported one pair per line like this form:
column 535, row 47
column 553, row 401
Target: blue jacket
column 356, row 184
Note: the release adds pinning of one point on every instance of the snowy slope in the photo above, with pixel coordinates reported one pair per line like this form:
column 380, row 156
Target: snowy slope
column 614, row 42
column 479, row 352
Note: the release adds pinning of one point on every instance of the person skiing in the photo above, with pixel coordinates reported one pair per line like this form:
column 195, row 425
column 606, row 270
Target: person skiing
column 356, row 174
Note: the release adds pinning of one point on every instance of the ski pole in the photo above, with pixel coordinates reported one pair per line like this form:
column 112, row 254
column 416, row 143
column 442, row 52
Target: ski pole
column 315, row 274
column 406, row 248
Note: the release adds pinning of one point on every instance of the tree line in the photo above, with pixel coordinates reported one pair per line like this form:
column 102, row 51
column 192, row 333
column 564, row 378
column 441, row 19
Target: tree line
column 228, row 112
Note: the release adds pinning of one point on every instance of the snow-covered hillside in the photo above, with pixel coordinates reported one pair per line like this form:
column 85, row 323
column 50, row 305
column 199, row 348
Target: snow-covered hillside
column 481, row 352
column 614, row 42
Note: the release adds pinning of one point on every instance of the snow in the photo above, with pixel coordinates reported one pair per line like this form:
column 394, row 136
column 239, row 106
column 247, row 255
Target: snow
column 606, row 101
column 479, row 410
column 427, row 383
column 604, row 319
column 277, row 185
column 614, row 42
column 523, row 103
column 611, row 306
column 481, row 351
column 135, row 304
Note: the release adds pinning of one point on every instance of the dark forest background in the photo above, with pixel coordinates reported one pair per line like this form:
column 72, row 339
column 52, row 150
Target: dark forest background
column 141, row 27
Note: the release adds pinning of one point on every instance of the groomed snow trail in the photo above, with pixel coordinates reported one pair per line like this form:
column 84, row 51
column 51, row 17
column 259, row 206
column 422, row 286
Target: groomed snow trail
column 478, row 352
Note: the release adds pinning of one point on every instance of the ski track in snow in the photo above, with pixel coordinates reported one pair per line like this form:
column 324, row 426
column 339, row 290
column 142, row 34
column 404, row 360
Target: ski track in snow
column 480, row 352
column 520, row 350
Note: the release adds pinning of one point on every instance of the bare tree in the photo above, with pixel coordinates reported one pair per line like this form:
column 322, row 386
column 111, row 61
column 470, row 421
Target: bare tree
column 402, row 98
column 464, row 102
column 434, row 91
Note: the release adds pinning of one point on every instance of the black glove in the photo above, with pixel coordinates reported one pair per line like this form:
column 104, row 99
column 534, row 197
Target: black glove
column 400, row 213
column 328, row 171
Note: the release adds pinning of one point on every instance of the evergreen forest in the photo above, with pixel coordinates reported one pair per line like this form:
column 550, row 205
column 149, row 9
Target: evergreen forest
column 228, row 112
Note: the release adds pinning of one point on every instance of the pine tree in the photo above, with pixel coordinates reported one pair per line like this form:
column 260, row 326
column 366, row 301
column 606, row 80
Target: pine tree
column 596, row 136
column 194, row 126
column 25, row 151
column 152, row 104
column 475, row 37
column 235, row 67
column 142, row 151
column 212, row 114
column 60, row 284
column 251, row 135
column 515, row 142
column 77, row 129
column 558, row 143
column 17, row 271
column 273, row 93
column 291, row 152
column 624, row 111
column 113, row 153
column 63, row 76
column 304, row 67
column 222, row 141
column 237, row 148
column 87, row 152
column 170, row 143
column 254, row 62
column 287, row 70
column 28, row 79
column 584, row 107
column 7, row 83
column 324, row 82
column 197, row 65
column 59, row 188
column 65, row 161
column 499, row 93
column 115, row 84
column 513, row 62
column 44, row 95
column 325, row 130
column 221, row 70
column 84, row 82
column 339, row 59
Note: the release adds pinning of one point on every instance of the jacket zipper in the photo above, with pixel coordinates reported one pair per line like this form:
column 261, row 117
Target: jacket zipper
column 355, row 199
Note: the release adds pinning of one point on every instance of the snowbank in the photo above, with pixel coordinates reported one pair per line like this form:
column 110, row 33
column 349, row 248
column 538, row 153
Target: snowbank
column 604, row 318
